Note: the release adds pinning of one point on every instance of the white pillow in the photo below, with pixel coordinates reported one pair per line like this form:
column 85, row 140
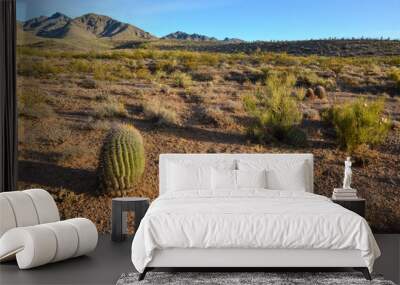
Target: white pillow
column 224, row 179
column 292, row 179
column 289, row 174
column 251, row 178
column 185, row 178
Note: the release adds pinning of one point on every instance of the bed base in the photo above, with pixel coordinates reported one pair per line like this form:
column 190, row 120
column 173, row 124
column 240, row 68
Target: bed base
column 242, row 259
column 363, row 270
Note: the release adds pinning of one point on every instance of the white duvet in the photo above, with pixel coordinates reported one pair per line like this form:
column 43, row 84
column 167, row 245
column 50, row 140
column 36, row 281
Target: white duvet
column 250, row 219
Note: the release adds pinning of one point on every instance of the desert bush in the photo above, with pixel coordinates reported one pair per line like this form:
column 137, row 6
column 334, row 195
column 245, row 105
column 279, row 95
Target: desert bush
column 32, row 103
column 80, row 66
column 103, row 96
column 202, row 76
column 311, row 114
column 109, row 109
column 394, row 75
column 273, row 108
column 299, row 93
column 103, row 72
column 122, row 159
column 53, row 134
column 311, row 79
column 123, row 72
column 215, row 116
column 155, row 111
column 296, row 137
column 70, row 153
column 42, row 68
column 88, row 83
column 182, row 79
column 359, row 122
column 143, row 73
column 351, row 81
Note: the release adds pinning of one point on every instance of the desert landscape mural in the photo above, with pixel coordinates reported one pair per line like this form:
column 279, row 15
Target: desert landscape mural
column 80, row 78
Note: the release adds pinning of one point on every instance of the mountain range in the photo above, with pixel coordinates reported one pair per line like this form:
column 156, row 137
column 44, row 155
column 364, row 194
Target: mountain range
column 87, row 26
column 92, row 26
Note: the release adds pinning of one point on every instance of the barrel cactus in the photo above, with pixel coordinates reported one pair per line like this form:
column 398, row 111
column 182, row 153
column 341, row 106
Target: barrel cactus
column 320, row 92
column 296, row 137
column 122, row 159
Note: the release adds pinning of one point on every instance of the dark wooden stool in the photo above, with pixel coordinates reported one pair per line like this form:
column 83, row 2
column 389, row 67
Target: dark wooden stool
column 120, row 207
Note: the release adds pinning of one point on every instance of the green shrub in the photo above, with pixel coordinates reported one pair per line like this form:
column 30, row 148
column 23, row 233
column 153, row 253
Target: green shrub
column 273, row 108
column 297, row 137
column 122, row 159
column 359, row 122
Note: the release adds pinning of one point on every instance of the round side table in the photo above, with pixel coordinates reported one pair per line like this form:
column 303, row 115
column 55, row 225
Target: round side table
column 120, row 207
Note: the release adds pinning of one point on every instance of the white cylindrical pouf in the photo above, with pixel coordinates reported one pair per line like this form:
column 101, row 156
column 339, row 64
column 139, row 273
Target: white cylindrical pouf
column 87, row 234
column 67, row 240
column 45, row 205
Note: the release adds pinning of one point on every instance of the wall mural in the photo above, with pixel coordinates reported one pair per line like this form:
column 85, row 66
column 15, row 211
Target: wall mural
column 100, row 99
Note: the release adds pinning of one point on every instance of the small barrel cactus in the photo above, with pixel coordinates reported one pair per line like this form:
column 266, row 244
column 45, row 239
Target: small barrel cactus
column 310, row 94
column 296, row 137
column 320, row 92
column 122, row 159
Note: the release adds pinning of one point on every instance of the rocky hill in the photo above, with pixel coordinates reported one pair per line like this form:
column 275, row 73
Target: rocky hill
column 188, row 37
column 88, row 26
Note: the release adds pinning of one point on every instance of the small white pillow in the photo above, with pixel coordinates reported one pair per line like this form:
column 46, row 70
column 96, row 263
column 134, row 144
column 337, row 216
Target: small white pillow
column 184, row 178
column 224, row 179
column 251, row 178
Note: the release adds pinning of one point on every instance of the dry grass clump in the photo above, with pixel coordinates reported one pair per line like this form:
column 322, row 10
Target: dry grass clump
column 80, row 66
column 143, row 73
column 70, row 153
column 311, row 79
column 110, row 109
column 33, row 104
column 215, row 116
column 311, row 114
column 104, row 73
column 181, row 79
column 299, row 93
column 155, row 110
column 53, row 134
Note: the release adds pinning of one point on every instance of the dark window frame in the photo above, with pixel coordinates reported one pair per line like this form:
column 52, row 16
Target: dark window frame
column 8, row 100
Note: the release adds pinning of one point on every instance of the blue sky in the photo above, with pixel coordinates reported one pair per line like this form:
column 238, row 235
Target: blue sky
column 245, row 19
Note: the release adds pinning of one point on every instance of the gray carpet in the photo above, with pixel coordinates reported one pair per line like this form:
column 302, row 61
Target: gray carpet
column 269, row 278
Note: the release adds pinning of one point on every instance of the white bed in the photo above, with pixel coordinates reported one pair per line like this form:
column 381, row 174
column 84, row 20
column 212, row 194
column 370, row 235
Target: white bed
column 229, row 226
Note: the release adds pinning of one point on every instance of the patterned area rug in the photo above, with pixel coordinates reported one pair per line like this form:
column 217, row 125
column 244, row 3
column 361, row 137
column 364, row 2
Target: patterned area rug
column 269, row 278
